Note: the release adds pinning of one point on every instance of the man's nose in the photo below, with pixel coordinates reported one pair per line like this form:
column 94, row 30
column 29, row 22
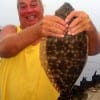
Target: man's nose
column 29, row 9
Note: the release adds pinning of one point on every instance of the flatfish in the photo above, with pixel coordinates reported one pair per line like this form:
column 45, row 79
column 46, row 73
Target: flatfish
column 63, row 59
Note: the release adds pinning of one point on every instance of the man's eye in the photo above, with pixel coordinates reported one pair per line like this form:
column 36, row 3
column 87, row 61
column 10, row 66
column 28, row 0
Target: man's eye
column 33, row 4
column 22, row 7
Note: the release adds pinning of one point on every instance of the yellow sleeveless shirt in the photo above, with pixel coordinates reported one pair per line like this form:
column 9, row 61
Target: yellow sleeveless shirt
column 22, row 77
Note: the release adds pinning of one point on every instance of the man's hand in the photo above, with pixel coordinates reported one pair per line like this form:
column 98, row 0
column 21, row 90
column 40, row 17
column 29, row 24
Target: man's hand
column 52, row 26
column 80, row 23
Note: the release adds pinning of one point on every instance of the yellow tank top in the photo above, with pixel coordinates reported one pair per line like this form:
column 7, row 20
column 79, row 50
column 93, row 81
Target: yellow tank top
column 22, row 77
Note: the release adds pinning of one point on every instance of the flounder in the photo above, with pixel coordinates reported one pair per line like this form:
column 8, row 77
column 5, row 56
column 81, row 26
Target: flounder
column 63, row 59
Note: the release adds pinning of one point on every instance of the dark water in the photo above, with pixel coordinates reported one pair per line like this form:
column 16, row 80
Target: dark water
column 92, row 65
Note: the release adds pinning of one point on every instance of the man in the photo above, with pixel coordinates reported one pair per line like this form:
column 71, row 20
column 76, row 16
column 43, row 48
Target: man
column 21, row 75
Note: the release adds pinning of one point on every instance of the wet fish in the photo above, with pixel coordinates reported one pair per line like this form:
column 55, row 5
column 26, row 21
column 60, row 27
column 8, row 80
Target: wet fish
column 63, row 59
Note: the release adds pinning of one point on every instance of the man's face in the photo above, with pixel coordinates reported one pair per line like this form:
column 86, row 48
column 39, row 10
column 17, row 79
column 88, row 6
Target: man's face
column 30, row 12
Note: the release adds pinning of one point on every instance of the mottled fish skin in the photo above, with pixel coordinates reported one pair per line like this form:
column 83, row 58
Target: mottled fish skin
column 64, row 58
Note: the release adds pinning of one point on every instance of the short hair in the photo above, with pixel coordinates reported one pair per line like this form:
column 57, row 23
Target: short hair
column 39, row 1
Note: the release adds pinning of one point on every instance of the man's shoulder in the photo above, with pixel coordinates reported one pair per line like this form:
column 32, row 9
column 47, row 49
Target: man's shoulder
column 9, row 28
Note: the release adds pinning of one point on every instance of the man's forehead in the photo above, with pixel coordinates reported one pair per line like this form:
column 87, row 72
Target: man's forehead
column 26, row 0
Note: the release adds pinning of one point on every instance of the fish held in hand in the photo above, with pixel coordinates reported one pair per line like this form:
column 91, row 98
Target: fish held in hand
column 63, row 59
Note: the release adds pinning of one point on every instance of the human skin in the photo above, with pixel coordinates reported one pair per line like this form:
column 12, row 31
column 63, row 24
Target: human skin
column 34, row 25
column 82, row 22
